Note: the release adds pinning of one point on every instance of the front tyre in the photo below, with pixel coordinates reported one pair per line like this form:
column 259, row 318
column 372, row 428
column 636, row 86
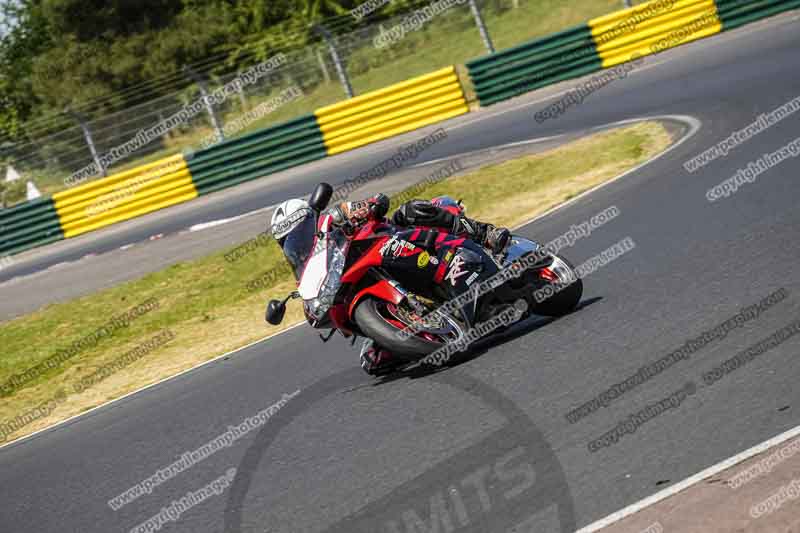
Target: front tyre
column 382, row 322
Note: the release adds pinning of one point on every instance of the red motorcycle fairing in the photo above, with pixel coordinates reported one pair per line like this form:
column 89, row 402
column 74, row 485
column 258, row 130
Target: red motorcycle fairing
column 416, row 260
column 341, row 318
column 450, row 265
column 401, row 250
column 375, row 256
column 380, row 234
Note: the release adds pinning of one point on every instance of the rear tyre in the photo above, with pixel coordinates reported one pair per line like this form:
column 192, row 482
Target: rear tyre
column 375, row 322
column 562, row 303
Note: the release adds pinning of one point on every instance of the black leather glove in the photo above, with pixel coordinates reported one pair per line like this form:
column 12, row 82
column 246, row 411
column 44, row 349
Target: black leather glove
column 379, row 205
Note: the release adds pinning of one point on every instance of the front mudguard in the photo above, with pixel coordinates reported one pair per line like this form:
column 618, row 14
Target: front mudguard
column 381, row 289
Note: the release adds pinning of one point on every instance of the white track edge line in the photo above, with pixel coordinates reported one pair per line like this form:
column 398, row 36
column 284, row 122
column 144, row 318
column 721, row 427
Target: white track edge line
column 218, row 222
column 691, row 480
column 536, row 140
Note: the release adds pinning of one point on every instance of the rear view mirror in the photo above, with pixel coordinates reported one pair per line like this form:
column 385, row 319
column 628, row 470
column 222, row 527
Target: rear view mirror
column 275, row 311
column 321, row 196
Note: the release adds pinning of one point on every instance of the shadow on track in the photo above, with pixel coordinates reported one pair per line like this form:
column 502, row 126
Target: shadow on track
column 481, row 347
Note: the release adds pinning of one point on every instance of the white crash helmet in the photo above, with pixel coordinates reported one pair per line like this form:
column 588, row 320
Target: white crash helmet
column 288, row 216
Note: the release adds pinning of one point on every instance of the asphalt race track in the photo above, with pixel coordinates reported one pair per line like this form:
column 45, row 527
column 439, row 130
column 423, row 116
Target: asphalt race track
column 484, row 445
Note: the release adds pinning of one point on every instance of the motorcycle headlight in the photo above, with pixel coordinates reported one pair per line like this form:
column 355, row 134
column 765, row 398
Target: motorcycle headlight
column 316, row 308
column 319, row 306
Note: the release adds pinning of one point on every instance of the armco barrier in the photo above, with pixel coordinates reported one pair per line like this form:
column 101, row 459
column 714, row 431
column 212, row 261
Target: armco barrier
column 257, row 154
column 124, row 196
column 27, row 225
column 652, row 27
column 606, row 41
column 391, row 111
column 567, row 54
column 735, row 13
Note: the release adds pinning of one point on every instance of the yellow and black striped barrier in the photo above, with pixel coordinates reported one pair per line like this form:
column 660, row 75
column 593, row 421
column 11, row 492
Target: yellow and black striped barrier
column 651, row 28
column 123, row 196
column 391, row 111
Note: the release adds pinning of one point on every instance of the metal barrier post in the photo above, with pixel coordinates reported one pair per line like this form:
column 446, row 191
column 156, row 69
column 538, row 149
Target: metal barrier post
column 484, row 31
column 337, row 60
column 209, row 108
column 87, row 135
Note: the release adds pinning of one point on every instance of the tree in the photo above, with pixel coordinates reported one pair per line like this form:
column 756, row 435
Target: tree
column 314, row 10
column 105, row 55
column 25, row 35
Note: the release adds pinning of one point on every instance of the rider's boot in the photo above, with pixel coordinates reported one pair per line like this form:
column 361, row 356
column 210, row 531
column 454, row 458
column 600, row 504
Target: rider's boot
column 488, row 235
column 376, row 360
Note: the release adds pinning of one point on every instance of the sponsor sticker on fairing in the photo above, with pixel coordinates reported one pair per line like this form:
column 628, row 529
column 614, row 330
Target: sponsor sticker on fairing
column 396, row 247
column 423, row 259
column 456, row 270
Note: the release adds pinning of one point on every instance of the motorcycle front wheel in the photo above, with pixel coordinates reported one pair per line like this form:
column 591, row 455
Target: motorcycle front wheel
column 383, row 321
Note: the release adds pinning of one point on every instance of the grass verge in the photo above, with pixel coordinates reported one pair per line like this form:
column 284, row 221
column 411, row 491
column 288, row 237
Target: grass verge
column 205, row 307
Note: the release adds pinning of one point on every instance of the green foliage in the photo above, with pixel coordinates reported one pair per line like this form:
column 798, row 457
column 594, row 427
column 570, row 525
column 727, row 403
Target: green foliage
column 24, row 37
column 11, row 193
column 115, row 54
column 57, row 53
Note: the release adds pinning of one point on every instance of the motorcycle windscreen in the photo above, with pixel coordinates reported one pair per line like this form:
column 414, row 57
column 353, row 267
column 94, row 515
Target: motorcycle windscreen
column 316, row 266
column 298, row 244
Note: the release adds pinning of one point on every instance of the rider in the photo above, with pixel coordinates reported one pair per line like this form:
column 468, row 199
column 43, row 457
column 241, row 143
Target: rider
column 292, row 218
column 423, row 213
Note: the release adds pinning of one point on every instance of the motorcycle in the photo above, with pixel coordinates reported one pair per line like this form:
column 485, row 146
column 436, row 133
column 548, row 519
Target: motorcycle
column 374, row 281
